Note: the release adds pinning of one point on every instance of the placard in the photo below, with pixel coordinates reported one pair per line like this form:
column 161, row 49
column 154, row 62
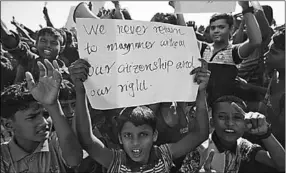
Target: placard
column 204, row 6
column 136, row 62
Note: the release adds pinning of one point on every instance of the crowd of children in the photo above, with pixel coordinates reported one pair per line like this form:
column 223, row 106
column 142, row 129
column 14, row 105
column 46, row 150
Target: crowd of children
column 236, row 124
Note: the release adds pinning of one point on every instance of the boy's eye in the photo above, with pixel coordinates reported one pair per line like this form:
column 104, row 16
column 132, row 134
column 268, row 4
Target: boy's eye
column 127, row 135
column 43, row 40
column 143, row 134
column 221, row 27
column 238, row 117
column 54, row 42
column 212, row 27
column 221, row 117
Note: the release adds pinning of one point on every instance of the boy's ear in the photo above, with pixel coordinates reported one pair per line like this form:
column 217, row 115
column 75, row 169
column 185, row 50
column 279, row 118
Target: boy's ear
column 62, row 49
column 7, row 123
column 155, row 136
column 211, row 122
column 119, row 138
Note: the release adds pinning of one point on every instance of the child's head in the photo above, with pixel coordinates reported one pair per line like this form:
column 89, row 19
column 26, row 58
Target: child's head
column 137, row 132
column 228, row 123
column 275, row 58
column 221, row 27
column 49, row 43
column 22, row 114
column 67, row 97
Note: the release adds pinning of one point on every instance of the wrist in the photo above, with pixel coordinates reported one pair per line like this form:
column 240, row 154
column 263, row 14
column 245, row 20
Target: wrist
column 247, row 10
column 56, row 103
column 267, row 134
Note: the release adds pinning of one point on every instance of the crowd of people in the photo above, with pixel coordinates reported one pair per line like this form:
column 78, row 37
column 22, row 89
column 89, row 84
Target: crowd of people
column 236, row 123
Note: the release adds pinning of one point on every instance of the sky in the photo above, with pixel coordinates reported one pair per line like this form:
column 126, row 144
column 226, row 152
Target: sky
column 30, row 13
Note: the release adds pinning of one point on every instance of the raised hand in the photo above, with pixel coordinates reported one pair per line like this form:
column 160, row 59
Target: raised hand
column 207, row 165
column 46, row 91
column 256, row 123
column 202, row 75
column 172, row 4
column 79, row 72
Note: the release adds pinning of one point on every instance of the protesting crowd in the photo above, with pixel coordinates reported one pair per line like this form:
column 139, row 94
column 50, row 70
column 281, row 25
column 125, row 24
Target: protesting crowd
column 235, row 125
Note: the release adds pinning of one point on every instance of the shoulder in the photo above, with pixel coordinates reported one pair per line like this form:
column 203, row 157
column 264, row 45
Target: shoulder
column 118, row 159
column 247, row 149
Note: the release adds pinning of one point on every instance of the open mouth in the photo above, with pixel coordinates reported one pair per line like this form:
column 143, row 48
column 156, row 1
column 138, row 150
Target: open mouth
column 230, row 131
column 136, row 152
column 47, row 52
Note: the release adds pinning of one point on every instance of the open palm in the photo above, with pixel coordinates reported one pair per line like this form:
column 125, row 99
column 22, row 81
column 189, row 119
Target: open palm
column 47, row 89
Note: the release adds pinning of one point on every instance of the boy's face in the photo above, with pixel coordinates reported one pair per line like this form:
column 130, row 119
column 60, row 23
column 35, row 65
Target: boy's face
column 137, row 141
column 228, row 123
column 30, row 125
column 48, row 46
column 276, row 57
column 68, row 107
column 219, row 31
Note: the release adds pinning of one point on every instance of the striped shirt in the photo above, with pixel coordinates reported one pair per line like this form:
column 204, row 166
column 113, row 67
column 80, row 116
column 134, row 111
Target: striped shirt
column 160, row 161
column 46, row 158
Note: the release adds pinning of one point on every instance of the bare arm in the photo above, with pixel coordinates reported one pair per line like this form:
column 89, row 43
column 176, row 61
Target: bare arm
column 47, row 17
column 275, row 154
column 46, row 92
column 253, row 32
column 201, row 131
column 180, row 17
column 90, row 143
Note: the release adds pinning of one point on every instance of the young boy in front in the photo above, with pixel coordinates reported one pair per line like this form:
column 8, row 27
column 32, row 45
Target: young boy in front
column 32, row 148
column 231, row 151
column 137, row 131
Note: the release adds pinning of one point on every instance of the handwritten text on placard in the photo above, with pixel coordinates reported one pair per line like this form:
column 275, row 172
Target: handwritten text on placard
column 137, row 63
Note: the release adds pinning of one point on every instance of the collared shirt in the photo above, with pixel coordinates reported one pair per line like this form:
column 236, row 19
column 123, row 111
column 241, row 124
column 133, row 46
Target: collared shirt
column 224, row 161
column 46, row 158
column 160, row 161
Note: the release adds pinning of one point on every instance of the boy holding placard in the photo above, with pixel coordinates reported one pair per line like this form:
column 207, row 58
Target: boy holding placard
column 137, row 131
column 223, row 56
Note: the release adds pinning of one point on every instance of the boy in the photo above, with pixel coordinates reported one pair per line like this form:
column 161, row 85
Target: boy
column 49, row 44
column 223, row 56
column 32, row 148
column 137, row 131
column 231, row 151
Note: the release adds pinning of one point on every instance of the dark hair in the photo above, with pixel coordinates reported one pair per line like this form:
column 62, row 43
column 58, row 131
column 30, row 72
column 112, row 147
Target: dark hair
column 67, row 90
column 14, row 98
column 165, row 18
column 230, row 99
column 228, row 17
column 52, row 31
column 138, row 116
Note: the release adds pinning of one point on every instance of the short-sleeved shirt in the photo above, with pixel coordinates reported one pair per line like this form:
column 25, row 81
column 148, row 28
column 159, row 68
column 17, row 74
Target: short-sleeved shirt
column 160, row 161
column 224, row 161
column 223, row 67
column 46, row 158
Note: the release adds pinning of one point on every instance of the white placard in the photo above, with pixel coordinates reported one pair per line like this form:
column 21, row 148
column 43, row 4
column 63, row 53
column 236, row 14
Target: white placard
column 204, row 6
column 137, row 63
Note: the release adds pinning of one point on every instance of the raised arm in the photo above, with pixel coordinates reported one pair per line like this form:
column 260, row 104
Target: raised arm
column 180, row 17
column 46, row 91
column 90, row 143
column 117, row 11
column 47, row 17
column 253, row 31
column 257, row 125
column 201, row 131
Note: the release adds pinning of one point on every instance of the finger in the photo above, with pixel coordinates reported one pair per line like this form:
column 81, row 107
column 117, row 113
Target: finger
column 195, row 70
column 207, row 165
column 173, row 107
column 56, row 65
column 261, row 120
column 50, row 67
column 204, row 63
column 30, row 80
column 254, row 120
column 237, row 108
column 42, row 69
column 58, row 77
